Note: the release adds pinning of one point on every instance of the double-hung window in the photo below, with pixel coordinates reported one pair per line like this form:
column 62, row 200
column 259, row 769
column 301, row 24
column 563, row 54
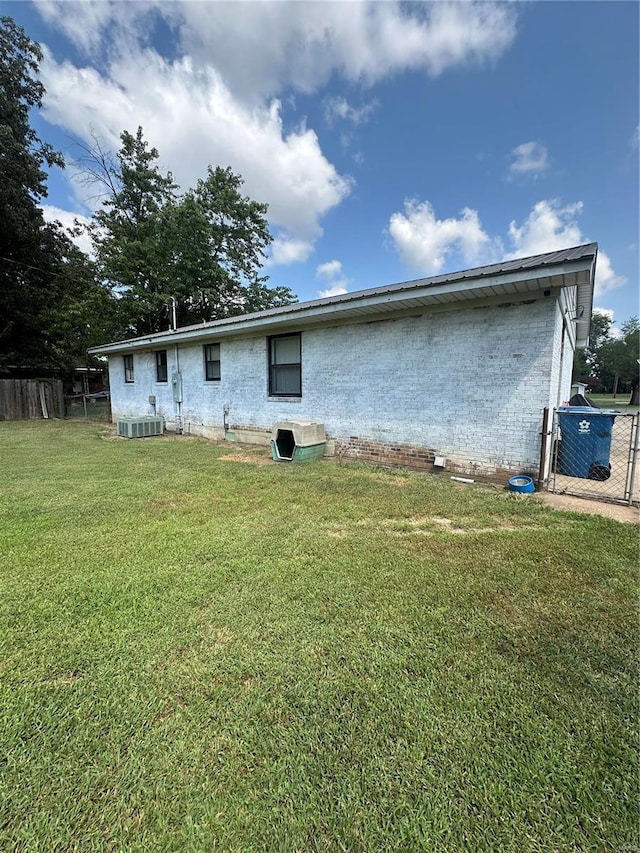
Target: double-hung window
column 212, row 362
column 128, row 368
column 161, row 365
column 285, row 368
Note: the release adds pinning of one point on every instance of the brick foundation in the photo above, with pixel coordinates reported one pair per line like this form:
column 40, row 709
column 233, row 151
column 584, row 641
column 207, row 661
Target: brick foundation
column 400, row 455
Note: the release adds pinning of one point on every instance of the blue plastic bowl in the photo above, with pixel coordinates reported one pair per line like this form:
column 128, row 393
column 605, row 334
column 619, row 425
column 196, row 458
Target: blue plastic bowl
column 521, row 483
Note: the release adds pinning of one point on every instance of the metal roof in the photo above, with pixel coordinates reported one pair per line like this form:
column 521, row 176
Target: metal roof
column 566, row 268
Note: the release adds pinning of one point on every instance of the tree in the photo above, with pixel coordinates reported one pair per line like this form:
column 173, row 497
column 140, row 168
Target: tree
column 82, row 312
column 26, row 243
column 128, row 233
column 609, row 363
column 219, row 240
column 619, row 357
column 203, row 249
column 585, row 360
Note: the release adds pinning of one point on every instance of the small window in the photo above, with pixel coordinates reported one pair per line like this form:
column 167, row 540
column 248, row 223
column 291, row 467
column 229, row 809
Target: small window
column 161, row 365
column 212, row 362
column 285, row 373
column 128, row 368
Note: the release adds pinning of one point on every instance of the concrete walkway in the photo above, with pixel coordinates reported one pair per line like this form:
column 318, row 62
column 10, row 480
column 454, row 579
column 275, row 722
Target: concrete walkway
column 619, row 512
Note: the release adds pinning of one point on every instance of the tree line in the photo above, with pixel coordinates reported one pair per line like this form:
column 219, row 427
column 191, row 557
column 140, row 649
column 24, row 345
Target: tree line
column 609, row 365
column 155, row 250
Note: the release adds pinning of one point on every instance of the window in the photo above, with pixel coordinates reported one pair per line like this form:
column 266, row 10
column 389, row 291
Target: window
column 285, row 374
column 128, row 368
column 212, row 362
column 161, row 365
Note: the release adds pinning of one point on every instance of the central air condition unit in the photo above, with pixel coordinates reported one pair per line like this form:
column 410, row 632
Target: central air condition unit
column 139, row 427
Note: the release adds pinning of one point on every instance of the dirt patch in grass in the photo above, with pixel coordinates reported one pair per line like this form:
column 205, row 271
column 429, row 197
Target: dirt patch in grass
column 425, row 525
column 399, row 478
column 250, row 458
column 67, row 679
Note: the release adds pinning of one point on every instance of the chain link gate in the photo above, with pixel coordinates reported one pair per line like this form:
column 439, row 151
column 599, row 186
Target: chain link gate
column 595, row 455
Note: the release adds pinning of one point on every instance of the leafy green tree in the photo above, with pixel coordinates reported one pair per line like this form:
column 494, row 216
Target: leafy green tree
column 610, row 363
column 83, row 312
column 128, row 231
column 26, row 243
column 618, row 357
column 585, row 361
column 219, row 240
column 203, row 249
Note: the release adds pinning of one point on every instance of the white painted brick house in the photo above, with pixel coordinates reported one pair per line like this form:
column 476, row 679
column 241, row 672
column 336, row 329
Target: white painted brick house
column 460, row 365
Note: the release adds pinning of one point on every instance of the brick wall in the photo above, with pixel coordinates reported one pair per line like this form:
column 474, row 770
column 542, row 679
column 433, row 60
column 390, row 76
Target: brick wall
column 467, row 384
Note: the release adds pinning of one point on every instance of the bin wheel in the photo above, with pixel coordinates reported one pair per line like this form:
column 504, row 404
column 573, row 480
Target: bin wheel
column 521, row 483
column 599, row 472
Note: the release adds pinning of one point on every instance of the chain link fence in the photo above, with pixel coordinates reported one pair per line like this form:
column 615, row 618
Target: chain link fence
column 93, row 407
column 594, row 453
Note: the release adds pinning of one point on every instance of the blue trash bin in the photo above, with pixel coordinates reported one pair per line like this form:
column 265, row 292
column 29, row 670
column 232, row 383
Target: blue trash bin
column 586, row 442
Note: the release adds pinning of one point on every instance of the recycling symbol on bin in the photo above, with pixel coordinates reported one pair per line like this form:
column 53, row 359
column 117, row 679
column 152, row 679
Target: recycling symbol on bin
column 584, row 426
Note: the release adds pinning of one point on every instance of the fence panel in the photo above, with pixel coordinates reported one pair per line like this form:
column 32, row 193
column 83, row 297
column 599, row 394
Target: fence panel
column 595, row 455
column 90, row 406
column 31, row 398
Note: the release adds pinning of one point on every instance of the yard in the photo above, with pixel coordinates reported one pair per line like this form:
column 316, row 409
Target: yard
column 607, row 401
column 203, row 650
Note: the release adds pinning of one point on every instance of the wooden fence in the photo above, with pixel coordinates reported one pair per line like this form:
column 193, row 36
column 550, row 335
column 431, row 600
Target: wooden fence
column 31, row 398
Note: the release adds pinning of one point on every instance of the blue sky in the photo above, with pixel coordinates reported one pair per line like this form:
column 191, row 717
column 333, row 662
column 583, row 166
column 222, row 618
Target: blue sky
column 391, row 140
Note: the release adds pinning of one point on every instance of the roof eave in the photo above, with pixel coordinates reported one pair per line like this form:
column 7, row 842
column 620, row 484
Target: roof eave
column 378, row 302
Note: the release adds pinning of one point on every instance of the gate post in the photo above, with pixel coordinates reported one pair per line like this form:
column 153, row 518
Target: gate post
column 543, row 467
column 635, row 429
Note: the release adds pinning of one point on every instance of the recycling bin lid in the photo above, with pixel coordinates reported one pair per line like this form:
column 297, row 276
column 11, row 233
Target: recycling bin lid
column 587, row 410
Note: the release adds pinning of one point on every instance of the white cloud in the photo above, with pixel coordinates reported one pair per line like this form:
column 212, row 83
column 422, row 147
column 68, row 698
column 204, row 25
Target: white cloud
column 607, row 312
column 429, row 245
column 86, row 23
column 425, row 242
column 550, row 227
column 261, row 48
column 213, row 101
column 531, row 159
column 606, row 278
column 191, row 116
column 334, row 290
column 287, row 251
column 614, row 332
column 338, row 108
column 332, row 274
column 68, row 220
column 547, row 228
column 329, row 270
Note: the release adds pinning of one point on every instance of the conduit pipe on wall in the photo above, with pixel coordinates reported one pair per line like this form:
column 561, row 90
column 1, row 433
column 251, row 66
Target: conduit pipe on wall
column 179, row 394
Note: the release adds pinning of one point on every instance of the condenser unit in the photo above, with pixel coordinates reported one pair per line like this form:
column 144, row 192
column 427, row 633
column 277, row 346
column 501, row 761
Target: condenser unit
column 139, row 427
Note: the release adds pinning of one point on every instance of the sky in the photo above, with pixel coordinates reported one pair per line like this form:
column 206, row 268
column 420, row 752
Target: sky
column 391, row 141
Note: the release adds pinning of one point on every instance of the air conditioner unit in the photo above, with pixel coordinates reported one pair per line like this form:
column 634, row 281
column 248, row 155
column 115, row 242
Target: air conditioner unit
column 139, row 427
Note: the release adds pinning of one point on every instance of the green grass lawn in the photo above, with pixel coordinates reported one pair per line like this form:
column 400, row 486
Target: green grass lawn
column 202, row 652
column 608, row 401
